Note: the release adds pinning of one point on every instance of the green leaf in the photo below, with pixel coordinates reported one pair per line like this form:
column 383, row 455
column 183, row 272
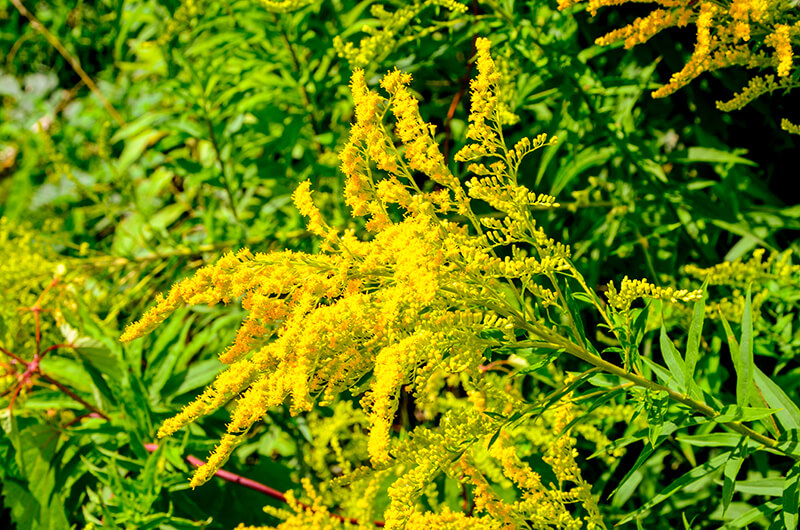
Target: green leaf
column 672, row 358
column 583, row 297
column 644, row 456
column 716, row 439
column 599, row 402
column 732, row 467
column 744, row 379
column 788, row 413
column 662, row 373
column 135, row 147
column 789, row 442
column 582, row 161
column 769, row 487
column 733, row 413
column 25, row 509
column 791, row 497
column 766, row 510
column 695, row 332
column 199, row 374
column 708, row 154
column 683, row 481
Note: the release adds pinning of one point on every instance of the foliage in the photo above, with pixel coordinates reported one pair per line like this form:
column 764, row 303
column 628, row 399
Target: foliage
column 447, row 317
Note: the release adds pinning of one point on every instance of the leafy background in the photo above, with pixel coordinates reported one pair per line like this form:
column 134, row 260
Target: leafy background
column 224, row 107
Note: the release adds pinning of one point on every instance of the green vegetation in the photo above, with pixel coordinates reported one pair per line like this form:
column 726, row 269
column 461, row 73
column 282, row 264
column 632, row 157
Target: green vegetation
column 511, row 289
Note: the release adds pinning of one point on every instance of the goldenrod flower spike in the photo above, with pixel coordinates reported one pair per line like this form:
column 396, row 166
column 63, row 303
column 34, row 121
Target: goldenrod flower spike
column 421, row 150
column 400, row 306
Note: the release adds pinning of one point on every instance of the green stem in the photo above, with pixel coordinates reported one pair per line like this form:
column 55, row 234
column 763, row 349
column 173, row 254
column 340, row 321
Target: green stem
column 701, row 408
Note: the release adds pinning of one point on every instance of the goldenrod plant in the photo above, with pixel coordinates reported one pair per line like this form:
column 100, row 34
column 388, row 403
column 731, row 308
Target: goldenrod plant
column 436, row 292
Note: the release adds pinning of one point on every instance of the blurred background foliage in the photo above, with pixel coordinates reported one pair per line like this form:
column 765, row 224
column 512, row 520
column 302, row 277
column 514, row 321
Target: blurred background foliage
column 224, row 107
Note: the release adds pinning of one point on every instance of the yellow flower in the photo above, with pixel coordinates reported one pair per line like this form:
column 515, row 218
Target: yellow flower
column 780, row 39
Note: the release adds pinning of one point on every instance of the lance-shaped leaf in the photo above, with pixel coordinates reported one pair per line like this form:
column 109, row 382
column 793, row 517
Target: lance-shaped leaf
column 733, row 413
column 673, row 359
column 681, row 482
column 791, row 497
column 750, row 516
column 732, row 467
column 788, row 413
column 737, row 358
column 695, row 332
column 744, row 380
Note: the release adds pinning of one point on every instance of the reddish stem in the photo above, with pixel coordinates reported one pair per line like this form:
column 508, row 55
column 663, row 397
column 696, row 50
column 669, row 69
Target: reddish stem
column 36, row 309
column 14, row 356
column 55, row 347
column 257, row 486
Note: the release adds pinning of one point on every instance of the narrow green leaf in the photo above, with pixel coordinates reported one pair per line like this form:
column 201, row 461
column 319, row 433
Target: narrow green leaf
column 599, row 402
column 736, row 413
column 732, row 467
column 681, row 482
column 733, row 344
column 709, row 154
column 744, row 379
column 716, row 439
column 788, row 413
column 644, row 456
column 626, row 489
column 672, row 358
column 765, row 510
column 791, row 499
column 789, row 442
column 768, row 487
column 695, row 332
column 662, row 373
column 583, row 297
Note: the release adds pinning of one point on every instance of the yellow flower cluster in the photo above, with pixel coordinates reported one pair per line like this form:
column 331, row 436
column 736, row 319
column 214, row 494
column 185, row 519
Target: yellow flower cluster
column 184, row 16
column 757, row 86
column 421, row 150
column 413, row 308
column 338, row 439
column 739, row 273
column 788, row 126
column 757, row 273
column 284, row 6
column 728, row 33
column 631, row 290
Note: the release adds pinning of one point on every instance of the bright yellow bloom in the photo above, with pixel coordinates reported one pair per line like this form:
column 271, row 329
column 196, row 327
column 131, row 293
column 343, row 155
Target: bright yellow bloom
column 781, row 41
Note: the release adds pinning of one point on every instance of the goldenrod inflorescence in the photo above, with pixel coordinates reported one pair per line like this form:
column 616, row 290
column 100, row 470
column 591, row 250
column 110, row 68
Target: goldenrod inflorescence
column 421, row 305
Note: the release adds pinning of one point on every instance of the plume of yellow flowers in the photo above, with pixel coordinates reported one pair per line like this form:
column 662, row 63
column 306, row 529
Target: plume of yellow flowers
column 750, row 33
column 400, row 306
column 424, row 299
